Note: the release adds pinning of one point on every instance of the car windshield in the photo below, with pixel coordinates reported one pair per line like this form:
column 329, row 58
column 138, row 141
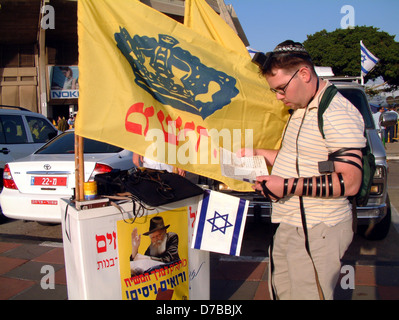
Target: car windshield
column 65, row 144
column 359, row 100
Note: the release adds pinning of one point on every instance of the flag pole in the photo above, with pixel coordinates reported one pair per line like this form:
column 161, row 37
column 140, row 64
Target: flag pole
column 79, row 168
column 361, row 72
column 367, row 61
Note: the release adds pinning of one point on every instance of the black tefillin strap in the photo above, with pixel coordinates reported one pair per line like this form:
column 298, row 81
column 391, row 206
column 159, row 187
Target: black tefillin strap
column 268, row 194
column 323, row 183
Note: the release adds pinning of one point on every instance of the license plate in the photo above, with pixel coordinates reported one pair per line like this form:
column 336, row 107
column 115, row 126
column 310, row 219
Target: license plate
column 45, row 202
column 49, row 181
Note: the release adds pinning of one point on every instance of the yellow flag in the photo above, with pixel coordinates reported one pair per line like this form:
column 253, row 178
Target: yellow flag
column 199, row 16
column 151, row 85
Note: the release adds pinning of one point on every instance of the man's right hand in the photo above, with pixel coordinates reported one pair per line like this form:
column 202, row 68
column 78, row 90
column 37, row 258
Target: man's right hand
column 136, row 238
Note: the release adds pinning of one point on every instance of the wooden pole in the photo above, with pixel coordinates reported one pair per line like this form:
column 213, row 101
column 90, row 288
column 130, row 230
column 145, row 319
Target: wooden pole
column 79, row 168
column 77, row 195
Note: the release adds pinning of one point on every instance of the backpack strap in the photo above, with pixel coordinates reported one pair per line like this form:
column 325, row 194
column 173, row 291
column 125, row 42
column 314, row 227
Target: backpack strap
column 328, row 95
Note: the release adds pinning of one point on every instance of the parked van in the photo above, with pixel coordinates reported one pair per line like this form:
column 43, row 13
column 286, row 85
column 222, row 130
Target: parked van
column 374, row 219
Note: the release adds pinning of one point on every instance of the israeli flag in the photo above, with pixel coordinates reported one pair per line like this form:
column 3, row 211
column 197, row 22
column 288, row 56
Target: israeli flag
column 220, row 223
column 367, row 58
column 252, row 51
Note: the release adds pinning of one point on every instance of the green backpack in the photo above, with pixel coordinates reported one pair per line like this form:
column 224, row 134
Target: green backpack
column 368, row 159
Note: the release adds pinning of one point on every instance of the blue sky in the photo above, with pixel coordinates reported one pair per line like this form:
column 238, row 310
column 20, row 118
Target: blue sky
column 267, row 23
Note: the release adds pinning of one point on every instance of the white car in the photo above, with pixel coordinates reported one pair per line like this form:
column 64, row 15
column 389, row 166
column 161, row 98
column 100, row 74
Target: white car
column 22, row 132
column 34, row 185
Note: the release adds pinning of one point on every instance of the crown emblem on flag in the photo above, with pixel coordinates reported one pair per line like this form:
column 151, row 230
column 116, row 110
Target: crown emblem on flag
column 175, row 77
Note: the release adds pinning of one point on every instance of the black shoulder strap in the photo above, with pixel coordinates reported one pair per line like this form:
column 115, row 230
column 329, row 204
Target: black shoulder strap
column 328, row 95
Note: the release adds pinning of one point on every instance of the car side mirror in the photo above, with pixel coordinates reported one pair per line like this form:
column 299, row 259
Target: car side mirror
column 389, row 119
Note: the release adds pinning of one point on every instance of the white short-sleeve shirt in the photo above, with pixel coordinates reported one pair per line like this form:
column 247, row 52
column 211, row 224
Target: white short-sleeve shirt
column 343, row 128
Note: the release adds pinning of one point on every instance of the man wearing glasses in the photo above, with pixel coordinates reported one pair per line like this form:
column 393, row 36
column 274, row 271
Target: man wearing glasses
column 299, row 190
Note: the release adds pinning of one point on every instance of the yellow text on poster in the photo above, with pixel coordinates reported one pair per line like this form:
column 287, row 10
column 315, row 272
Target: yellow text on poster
column 159, row 268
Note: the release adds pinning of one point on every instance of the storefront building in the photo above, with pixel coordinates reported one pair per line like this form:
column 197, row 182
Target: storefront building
column 39, row 51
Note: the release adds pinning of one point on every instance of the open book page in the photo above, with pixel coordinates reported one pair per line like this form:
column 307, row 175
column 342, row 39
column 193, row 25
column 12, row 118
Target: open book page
column 242, row 168
column 142, row 263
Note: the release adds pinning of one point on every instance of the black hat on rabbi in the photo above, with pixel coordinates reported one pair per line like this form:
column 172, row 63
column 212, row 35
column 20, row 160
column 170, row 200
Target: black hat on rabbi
column 156, row 224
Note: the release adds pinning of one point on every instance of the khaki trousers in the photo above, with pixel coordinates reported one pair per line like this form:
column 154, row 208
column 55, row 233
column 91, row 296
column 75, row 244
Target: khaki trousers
column 293, row 276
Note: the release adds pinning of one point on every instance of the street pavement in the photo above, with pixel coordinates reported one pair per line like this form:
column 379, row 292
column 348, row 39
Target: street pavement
column 27, row 264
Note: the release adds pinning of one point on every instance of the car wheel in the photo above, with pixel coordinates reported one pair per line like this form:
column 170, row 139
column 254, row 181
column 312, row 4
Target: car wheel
column 377, row 231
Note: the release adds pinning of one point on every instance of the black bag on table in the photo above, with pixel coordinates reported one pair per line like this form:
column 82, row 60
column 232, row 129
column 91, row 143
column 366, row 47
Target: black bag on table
column 153, row 187
column 158, row 187
column 111, row 183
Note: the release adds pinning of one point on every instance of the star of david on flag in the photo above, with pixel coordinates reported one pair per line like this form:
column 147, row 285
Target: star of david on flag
column 214, row 222
column 368, row 60
column 220, row 223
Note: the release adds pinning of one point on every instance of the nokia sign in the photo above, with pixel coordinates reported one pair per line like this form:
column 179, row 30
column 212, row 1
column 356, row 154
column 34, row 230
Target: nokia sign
column 64, row 94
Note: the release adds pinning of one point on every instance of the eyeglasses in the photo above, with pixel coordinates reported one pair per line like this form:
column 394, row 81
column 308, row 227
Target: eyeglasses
column 283, row 89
